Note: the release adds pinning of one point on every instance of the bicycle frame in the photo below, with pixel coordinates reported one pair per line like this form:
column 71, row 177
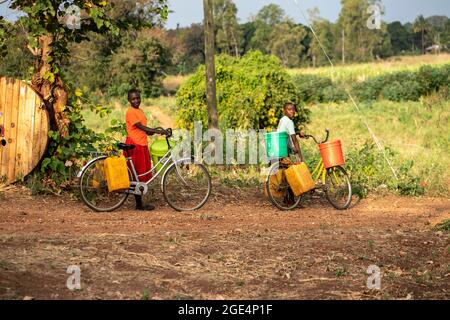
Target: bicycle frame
column 164, row 162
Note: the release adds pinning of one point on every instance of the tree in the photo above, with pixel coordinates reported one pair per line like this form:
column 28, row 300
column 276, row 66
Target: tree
column 49, row 37
column 17, row 59
column 399, row 36
column 286, row 43
column 228, row 34
column 324, row 32
column 193, row 40
column 248, row 31
column 358, row 40
column 140, row 63
column 210, row 72
column 421, row 25
column 264, row 21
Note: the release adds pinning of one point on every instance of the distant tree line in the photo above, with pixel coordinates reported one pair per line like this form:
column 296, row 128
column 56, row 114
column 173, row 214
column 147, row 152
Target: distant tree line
column 143, row 57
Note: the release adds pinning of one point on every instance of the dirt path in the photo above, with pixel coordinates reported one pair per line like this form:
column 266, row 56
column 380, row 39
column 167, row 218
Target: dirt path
column 164, row 119
column 237, row 247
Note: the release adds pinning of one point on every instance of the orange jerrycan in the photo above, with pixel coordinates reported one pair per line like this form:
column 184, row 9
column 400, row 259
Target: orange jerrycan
column 299, row 178
column 116, row 172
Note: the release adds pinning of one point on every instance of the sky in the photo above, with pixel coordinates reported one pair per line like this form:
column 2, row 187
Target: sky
column 186, row 12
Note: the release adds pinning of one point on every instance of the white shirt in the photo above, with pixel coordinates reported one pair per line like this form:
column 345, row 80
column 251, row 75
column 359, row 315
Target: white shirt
column 287, row 125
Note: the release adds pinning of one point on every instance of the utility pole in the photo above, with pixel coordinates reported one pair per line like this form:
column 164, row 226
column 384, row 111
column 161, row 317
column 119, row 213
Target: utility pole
column 211, row 100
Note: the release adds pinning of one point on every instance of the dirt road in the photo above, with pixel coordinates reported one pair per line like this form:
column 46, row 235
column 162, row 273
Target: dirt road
column 237, row 247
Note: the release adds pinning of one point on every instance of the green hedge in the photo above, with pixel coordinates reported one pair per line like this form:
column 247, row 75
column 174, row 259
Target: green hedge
column 404, row 85
column 316, row 89
column 398, row 86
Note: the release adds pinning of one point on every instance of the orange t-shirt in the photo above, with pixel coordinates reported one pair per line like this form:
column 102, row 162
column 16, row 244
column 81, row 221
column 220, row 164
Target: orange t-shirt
column 134, row 116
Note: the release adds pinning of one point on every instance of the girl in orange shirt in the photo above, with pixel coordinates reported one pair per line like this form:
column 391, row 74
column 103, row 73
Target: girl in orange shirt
column 137, row 132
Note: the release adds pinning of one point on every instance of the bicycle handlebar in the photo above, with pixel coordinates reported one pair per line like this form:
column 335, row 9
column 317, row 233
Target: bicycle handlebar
column 167, row 132
column 307, row 136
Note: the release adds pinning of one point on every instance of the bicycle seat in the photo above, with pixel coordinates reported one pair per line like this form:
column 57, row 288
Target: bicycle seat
column 125, row 147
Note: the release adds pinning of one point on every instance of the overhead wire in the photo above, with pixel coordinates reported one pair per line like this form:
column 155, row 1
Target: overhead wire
column 371, row 132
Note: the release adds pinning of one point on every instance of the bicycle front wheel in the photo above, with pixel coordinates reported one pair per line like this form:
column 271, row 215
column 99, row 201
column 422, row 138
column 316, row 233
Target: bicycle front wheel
column 278, row 189
column 94, row 189
column 186, row 185
column 338, row 188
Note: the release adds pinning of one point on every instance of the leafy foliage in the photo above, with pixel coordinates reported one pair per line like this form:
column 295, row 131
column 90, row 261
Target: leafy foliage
column 316, row 89
column 251, row 92
column 404, row 85
column 65, row 154
column 369, row 171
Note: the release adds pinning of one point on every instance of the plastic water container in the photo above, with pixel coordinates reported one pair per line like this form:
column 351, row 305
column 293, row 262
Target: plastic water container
column 276, row 144
column 116, row 173
column 299, row 178
column 158, row 149
column 274, row 182
column 331, row 153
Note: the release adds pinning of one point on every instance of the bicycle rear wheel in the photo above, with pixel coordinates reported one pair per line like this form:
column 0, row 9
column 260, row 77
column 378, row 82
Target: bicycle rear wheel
column 94, row 189
column 278, row 189
column 186, row 185
column 338, row 188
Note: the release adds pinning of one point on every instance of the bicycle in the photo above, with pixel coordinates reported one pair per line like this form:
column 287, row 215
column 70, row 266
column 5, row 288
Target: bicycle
column 185, row 183
column 334, row 181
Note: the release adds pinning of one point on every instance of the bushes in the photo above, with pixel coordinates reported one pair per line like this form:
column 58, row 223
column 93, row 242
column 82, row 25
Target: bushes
column 369, row 172
column 318, row 89
column 405, row 85
column 250, row 92
column 396, row 91
column 398, row 86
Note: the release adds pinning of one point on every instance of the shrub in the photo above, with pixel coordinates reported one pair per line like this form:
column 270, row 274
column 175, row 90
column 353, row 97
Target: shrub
column 317, row 89
column 251, row 92
column 404, row 85
column 369, row 89
column 369, row 171
column 396, row 91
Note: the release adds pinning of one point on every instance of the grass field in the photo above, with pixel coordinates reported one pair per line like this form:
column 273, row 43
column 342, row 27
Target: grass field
column 363, row 71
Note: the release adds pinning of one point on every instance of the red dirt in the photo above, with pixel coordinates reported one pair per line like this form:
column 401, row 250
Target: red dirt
column 237, row 247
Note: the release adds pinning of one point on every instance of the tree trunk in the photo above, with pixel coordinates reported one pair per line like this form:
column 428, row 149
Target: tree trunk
column 211, row 100
column 54, row 93
column 423, row 46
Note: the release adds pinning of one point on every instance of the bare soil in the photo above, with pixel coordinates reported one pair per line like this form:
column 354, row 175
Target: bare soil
column 237, row 247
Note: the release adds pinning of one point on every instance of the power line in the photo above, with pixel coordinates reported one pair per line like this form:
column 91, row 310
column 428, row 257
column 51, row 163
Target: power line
column 372, row 134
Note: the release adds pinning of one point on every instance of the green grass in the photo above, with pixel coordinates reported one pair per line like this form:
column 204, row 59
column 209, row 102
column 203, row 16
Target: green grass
column 363, row 71
column 443, row 226
column 411, row 129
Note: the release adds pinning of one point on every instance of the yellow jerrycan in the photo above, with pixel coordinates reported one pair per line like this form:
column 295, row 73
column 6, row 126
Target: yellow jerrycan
column 274, row 182
column 299, row 178
column 116, row 172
